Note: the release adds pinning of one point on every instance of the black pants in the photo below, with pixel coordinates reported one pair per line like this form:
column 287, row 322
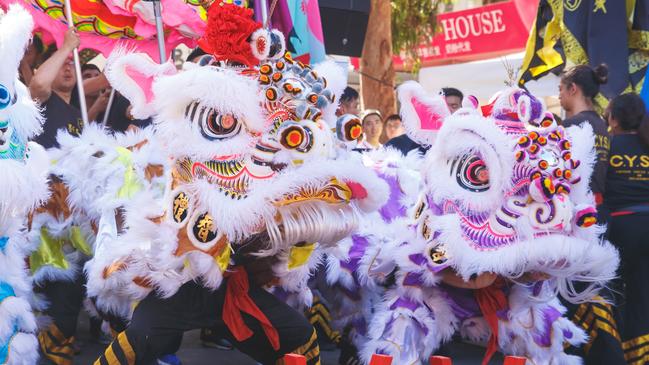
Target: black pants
column 157, row 325
column 65, row 301
column 630, row 233
column 601, row 321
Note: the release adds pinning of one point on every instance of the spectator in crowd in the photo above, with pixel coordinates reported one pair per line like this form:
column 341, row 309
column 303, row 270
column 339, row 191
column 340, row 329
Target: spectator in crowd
column 30, row 60
column 53, row 85
column 195, row 55
column 453, row 98
column 372, row 129
column 349, row 102
column 393, row 127
column 97, row 101
column 404, row 144
column 627, row 198
column 577, row 90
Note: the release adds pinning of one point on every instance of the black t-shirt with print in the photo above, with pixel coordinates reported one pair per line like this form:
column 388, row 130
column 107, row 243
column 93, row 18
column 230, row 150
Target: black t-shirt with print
column 117, row 120
column 58, row 115
column 602, row 146
column 404, row 144
column 627, row 180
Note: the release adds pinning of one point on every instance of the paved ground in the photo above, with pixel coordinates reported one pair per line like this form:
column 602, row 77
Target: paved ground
column 192, row 353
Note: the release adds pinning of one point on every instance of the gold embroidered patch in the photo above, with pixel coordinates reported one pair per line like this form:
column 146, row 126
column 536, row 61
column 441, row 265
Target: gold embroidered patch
column 180, row 206
column 334, row 192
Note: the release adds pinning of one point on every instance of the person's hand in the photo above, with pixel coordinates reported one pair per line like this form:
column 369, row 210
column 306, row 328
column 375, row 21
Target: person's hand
column 101, row 103
column 71, row 40
column 129, row 113
column 29, row 59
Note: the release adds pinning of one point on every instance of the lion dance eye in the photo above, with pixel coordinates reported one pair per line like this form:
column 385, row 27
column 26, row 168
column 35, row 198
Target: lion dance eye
column 213, row 126
column 5, row 97
column 296, row 137
column 353, row 130
column 471, row 173
column 349, row 128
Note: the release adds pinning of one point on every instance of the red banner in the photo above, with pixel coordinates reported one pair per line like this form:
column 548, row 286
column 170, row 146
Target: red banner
column 477, row 33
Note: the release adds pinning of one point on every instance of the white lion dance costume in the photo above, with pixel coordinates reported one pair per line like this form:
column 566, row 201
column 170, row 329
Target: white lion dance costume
column 91, row 173
column 253, row 188
column 24, row 167
column 505, row 222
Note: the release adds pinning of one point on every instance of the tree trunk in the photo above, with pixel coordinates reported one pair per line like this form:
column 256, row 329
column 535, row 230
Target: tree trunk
column 377, row 71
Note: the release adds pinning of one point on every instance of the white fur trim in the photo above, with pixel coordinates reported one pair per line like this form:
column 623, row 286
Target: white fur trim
column 25, row 184
column 261, row 33
column 336, row 78
column 15, row 32
column 436, row 104
column 478, row 135
column 117, row 65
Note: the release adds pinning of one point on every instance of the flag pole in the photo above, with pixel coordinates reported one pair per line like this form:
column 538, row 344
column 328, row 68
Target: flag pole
column 110, row 105
column 157, row 12
column 264, row 13
column 77, row 67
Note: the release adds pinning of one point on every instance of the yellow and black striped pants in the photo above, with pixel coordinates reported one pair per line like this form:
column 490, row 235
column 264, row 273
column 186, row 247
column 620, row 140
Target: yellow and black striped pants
column 65, row 301
column 320, row 318
column 157, row 325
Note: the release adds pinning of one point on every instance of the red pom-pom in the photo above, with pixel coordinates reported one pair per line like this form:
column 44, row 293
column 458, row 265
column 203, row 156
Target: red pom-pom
column 229, row 28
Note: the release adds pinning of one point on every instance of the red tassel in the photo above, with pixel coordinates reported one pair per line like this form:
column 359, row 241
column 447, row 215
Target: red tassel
column 293, row 359
column 515, row 360
column 491, row 300
column 381, row 360
column 440, row 360
column 236, row 301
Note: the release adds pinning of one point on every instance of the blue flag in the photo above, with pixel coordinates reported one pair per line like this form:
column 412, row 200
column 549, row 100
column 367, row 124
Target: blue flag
column 644, row 94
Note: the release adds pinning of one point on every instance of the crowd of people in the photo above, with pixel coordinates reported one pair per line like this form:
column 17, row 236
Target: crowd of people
column 620, row 183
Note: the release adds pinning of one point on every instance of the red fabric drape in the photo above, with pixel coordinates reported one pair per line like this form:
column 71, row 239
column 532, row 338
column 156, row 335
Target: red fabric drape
column 238, row 301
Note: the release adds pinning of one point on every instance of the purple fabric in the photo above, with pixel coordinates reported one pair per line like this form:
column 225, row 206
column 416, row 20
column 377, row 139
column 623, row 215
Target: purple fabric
column 393, row 208
column 434, row 208
column 360, row 326
column 567, row 334
column 281, row 18
column 462, row 302
column 356, row 252
column 550, row 314
column 257, row 6
column 405, row 303
column 359, row 245
column 350, row 265
column 418, row 259
column 280, row 293
column 413, row 279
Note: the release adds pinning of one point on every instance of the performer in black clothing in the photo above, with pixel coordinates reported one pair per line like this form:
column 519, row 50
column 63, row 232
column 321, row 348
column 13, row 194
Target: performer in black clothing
column 627, row 197
column 577, row 90
column 53, row 85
